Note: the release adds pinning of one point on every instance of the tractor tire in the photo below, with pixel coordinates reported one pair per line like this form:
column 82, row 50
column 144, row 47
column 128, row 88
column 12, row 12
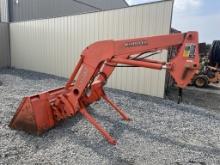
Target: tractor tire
column 201, row 81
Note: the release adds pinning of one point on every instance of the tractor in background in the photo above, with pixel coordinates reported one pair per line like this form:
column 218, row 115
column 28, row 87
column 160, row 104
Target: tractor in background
column 209, row 65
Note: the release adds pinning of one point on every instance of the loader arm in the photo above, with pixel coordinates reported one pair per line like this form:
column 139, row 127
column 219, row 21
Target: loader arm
column 43, row 111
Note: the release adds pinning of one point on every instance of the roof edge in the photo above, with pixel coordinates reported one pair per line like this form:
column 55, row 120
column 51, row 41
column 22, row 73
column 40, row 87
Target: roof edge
column 146, row 3
column 126, row 3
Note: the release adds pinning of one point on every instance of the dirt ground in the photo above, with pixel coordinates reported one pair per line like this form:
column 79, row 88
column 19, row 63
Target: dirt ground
column 208, row 98
column 161, row 132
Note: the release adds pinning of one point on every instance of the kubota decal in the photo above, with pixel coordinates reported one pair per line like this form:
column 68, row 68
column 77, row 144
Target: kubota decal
column 135, row 43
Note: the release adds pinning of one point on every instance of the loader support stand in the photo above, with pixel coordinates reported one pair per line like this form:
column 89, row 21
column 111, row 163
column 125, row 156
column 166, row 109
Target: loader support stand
column 180, row 95
column 92, row 120
column 114, row 106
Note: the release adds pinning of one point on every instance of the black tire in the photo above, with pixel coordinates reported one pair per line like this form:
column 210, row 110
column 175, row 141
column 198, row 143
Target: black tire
column 201, row 81
column 214, row 55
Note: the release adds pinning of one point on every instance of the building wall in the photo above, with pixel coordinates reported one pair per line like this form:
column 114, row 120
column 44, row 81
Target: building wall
column 21, row 10
column 4, row 11
column 4, row 45
column 53, row 45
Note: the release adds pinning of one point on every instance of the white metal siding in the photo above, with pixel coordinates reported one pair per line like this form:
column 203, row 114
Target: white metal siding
column 0, row 11
column 4, row 10
column 53, row 45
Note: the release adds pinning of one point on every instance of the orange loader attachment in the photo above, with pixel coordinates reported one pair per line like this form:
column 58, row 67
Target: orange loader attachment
column 39, row 113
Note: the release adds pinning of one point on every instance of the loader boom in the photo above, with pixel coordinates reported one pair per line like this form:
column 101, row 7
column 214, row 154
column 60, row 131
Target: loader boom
column 43, row 111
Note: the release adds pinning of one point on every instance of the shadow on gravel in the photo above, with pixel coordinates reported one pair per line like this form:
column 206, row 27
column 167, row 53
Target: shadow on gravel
column 188, row 98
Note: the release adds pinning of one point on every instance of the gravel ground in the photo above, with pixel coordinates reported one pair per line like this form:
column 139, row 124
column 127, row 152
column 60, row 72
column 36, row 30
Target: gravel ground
column 161, row 132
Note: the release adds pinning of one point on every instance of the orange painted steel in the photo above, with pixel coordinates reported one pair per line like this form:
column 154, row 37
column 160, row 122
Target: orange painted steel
column 38, row 113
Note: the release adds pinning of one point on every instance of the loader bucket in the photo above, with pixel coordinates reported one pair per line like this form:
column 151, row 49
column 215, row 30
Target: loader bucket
column 34, row 115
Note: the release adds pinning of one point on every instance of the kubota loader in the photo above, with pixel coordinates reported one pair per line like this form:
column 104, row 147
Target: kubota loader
column 41, row 112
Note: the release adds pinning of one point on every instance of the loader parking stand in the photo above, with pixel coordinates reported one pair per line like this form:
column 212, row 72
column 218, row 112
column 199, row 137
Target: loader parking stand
column 51, row 116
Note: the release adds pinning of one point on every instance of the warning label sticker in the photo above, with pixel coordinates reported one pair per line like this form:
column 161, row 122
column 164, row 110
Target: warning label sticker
column 189, row 51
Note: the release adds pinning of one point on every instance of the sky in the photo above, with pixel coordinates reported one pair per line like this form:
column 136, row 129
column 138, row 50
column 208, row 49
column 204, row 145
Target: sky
column 195, row 15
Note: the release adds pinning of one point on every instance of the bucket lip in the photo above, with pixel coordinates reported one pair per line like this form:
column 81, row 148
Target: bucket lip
column 18, row 110
column 17, row 123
